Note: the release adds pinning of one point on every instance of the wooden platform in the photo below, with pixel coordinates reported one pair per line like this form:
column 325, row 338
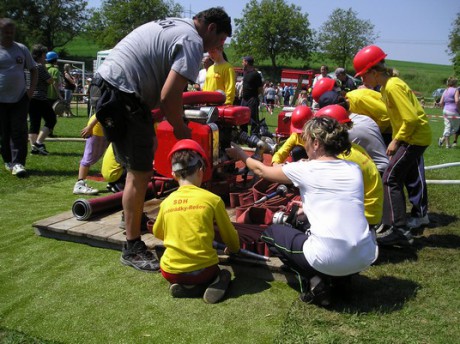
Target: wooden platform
column 103, row 231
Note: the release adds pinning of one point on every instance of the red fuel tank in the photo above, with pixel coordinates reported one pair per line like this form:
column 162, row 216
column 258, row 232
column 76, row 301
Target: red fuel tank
column 232, row 115
column 207, row 135
column 284, row 123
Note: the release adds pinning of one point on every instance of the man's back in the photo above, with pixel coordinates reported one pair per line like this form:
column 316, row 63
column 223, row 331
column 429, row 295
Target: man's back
column 156, row 47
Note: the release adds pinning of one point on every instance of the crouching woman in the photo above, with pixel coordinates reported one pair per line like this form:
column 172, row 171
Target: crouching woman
column 339, row 242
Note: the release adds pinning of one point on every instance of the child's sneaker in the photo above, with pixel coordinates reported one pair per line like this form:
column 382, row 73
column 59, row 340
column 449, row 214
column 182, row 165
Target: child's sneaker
column 417, row 222
column 216, row 290
column 40, row 149
column 139, row 257
column 186, row 291
column 9, row 166
column 440, row 141
column 454, row 144
column 18, row 170
column 395, row 237
column 81, row 188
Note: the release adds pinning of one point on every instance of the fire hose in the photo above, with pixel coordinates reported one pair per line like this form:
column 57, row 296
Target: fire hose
column 83, row 209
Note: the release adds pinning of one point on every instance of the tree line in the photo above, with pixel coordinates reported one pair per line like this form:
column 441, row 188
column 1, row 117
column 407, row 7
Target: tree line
column 268, row 29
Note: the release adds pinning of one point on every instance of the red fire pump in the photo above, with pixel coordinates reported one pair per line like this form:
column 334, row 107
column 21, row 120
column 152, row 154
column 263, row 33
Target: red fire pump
column 283, row 130
column 214, row 126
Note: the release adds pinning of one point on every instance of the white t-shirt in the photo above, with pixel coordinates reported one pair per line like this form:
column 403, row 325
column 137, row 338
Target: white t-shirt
column 201, row 78
column 141, row 62
column 332, row 194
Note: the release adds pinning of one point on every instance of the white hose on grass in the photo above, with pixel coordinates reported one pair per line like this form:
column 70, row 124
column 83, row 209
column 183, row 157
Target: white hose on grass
column 443, row 182
column 450, row 164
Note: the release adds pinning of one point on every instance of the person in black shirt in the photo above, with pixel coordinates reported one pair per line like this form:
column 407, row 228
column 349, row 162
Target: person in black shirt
column 252, row 87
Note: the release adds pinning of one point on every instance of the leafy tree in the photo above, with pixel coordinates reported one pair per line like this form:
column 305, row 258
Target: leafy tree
column 116, row 18
column 273, row 29
column 50, row 22
column 343, row 35
column 454, row 44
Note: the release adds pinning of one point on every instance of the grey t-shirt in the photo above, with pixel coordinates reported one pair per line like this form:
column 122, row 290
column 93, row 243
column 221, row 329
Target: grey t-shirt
column 366, row 133
column 13, row 61
column 141, row 62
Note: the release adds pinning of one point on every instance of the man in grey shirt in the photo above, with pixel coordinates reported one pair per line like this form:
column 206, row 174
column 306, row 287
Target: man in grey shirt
column 363, row 131
column 150, row 68
column 14, row 97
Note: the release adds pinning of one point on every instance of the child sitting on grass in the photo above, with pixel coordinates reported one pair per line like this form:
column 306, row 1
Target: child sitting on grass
column 185, row 223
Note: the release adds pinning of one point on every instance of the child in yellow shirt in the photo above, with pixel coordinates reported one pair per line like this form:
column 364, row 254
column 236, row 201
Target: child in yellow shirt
column 185, row 223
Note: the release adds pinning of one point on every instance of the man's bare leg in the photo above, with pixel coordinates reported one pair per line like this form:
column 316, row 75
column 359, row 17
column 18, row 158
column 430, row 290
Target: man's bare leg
column 135, row 252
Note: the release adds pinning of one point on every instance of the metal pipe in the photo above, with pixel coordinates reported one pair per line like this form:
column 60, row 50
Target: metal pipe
column 444, row 182
column 450, row 164
column 220, row 246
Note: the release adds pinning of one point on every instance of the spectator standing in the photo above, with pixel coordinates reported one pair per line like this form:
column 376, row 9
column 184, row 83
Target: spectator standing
column 238, row 92
column 451, row 104
column 270, row 94
column 220, row 76
column 142, row 72
column 322, row 74
column 200, row 80
column 70, row 84
column 286, row 94
column 411, row 137
column 39, row 106
column 54, row 89
column 252, row 87
column 346, row 83
column 14, row 97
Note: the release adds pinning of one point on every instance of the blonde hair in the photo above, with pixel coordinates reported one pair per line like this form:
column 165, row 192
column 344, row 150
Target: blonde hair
column 330, row 134
column 382, row 68
column 452, row 81
column 67, row 67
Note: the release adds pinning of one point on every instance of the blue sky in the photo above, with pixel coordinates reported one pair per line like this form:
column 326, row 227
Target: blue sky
column 409, row 30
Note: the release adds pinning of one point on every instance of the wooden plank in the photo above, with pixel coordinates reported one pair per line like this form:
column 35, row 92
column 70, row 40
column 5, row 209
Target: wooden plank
column 53, row 219
column 65, row 225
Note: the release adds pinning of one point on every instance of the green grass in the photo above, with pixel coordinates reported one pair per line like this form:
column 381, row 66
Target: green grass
column 61, row 292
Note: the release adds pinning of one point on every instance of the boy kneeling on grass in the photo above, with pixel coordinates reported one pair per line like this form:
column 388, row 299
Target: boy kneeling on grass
column 185, row 223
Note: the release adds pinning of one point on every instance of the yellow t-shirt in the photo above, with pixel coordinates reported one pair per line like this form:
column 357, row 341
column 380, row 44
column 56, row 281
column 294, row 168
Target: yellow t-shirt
column 97, row 129
column 370, row 103
column 295, row 139
column 373, row 187
column 221, row 77
column 408, row 119
column 185, row 223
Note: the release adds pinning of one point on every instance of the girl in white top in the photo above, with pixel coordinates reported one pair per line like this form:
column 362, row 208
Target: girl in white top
column 339, row 242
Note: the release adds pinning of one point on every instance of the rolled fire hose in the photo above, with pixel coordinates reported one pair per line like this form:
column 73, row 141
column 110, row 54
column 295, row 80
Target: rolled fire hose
column 83, row 209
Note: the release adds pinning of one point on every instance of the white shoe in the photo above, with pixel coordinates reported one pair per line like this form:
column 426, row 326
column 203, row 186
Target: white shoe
column 81, row 188
column 18, row 170
column 9, row 166
column 416, row 222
